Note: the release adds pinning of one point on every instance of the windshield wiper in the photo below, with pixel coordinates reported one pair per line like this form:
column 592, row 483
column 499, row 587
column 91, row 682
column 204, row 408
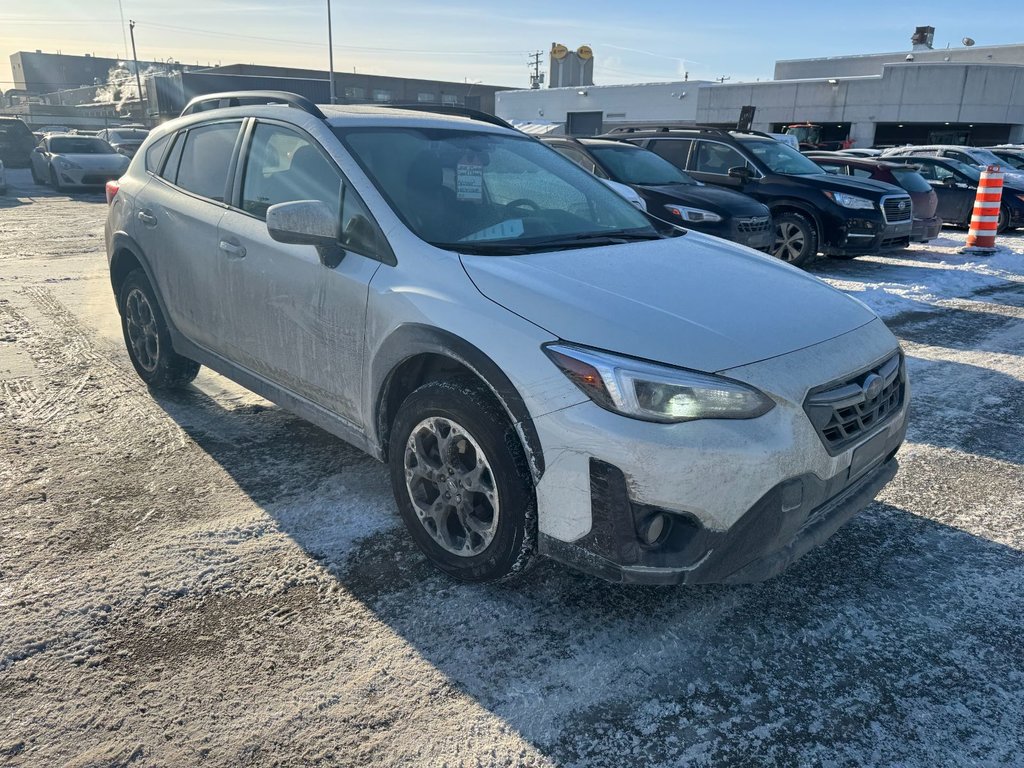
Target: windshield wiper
column 612, row 237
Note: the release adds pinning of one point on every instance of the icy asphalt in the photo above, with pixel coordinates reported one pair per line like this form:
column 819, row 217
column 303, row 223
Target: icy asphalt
column 204, row 579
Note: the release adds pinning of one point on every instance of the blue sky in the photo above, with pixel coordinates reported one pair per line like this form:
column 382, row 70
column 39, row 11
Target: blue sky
column 465, row 40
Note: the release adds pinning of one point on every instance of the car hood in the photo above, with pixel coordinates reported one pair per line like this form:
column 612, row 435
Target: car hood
column 715, row 198
column 862, row 187
column 693, row 301
column 90, row 162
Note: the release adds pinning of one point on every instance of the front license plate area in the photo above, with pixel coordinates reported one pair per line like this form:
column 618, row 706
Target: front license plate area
column 869, row 454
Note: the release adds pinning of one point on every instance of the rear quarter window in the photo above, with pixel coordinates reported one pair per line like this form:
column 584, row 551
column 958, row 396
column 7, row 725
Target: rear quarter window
column 155, row 153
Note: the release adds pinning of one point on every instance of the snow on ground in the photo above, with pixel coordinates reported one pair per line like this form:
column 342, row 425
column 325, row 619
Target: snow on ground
column 925, row 274
column 203, row 579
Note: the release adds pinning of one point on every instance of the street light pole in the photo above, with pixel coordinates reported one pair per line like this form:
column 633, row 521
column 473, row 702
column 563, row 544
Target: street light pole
column 135, row 60
column 330, row 50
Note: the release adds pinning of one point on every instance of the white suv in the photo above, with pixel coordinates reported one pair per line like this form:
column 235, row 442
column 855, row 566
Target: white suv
column 542, row 371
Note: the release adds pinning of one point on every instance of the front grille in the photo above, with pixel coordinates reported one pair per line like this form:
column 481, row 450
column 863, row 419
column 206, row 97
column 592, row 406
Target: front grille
column 753, row 224
column 892, row 210
column 845, row 412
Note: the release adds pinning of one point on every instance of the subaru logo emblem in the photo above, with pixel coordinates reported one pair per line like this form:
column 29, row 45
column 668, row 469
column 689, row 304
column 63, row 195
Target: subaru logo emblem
column 872, row 386
column 902, row 205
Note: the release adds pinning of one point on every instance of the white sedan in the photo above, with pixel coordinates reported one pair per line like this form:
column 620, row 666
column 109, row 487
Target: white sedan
column 64, row 161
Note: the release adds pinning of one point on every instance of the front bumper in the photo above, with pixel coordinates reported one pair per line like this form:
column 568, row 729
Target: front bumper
column 756, row 232
column 742, row 499
column 76, row 177
column 863, row 235
column 925, row 229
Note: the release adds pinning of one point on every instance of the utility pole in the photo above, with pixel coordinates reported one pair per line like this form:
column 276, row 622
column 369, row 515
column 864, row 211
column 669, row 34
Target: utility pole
column 536, row 78
column 330, row 50
column 124, row 37
column 135, row 59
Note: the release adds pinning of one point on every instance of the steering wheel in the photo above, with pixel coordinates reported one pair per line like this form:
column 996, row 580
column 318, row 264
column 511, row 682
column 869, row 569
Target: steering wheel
column 522, row 202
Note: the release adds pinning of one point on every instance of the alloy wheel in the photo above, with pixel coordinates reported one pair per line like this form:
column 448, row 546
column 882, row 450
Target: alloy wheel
column 451, row 485
column 790, row 241
column 143, row 334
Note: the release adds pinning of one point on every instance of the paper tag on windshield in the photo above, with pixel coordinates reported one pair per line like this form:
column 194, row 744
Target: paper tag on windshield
column 469, row 182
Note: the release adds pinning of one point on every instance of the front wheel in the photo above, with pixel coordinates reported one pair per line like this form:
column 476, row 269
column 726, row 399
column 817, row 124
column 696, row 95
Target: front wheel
column 796, row 239
column 462, row 482
column 1004, row 220
column 55, row 180
column 147, row 338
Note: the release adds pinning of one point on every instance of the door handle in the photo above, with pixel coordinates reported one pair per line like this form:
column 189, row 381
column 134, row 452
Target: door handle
column 234, row 250
column 147, row 218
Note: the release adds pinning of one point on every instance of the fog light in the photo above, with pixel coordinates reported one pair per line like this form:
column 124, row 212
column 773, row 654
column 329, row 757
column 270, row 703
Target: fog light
column 654, row 528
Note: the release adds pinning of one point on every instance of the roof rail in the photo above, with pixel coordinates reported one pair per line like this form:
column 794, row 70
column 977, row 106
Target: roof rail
column 242, row 98
column 446, row 109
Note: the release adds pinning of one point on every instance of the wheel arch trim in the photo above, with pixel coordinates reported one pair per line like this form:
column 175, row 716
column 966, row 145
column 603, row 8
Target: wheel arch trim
column 410, row 340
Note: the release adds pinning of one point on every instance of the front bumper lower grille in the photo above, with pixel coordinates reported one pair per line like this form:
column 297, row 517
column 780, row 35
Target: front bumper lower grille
column 844, row 413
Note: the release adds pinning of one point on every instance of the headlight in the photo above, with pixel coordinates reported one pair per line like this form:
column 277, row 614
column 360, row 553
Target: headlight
column 850, row 201
column 652, row 392
column 692, row 214
column 67, row 165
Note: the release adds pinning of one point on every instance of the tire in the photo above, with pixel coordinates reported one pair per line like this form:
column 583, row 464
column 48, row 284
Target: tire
column 1004, row 220
column 55, row 180
column 147, row 338
column 796, row 239
column 440, row 432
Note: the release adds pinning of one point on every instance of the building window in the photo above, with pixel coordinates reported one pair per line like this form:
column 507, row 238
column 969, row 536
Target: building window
column 450, row 99
column 424, row 96
column 382, row 95
column 355, row 92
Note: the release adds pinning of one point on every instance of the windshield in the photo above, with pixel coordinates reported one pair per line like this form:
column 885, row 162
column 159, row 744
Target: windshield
column 1014, row 161
column 781, row 158
column 984, row 157
column 632, row 165
column 79, row 145
column 128, row 135
column 481, row 192
column 912, row 181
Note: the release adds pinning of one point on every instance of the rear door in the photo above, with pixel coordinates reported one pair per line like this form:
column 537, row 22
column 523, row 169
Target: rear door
column 956, row 196
column 176, row 226
column 287, row 316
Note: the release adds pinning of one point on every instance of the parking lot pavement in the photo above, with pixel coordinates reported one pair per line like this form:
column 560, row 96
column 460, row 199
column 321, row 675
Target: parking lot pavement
column 203, row 578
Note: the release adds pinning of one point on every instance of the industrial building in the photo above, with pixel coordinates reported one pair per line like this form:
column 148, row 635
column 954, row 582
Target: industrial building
column 168, row 93
column 964, row 95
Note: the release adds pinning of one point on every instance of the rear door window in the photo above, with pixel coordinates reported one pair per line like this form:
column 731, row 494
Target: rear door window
column 674, row 150
column 206, row 159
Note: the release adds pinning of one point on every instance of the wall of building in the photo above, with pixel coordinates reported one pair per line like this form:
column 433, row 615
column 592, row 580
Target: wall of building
column 871, row 64
column 945, row 92
column 48, row 72
column 647, row 102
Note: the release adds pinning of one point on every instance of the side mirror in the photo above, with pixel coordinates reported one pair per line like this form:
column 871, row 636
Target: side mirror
column 307, row 222
column 741, row 172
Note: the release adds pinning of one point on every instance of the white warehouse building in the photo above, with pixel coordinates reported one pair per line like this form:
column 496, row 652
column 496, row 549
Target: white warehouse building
column 966, row 95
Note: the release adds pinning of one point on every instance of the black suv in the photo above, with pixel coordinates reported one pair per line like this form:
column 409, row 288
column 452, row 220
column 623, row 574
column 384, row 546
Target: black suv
column 670, row 194
column 16, row 142
column 814, row 211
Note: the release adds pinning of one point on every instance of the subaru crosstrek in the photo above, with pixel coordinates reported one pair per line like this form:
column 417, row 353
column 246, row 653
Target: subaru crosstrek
column 542, row 371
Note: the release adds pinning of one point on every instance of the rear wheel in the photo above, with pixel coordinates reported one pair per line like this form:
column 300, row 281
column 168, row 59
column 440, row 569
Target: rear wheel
column 462, row 482
column 796, row 239
column 147, row 338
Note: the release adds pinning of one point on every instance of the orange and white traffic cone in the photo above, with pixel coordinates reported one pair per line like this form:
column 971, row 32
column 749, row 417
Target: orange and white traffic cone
column 985, row 220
